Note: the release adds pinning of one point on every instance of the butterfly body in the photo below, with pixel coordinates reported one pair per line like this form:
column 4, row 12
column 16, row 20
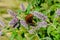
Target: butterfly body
column 29, row 19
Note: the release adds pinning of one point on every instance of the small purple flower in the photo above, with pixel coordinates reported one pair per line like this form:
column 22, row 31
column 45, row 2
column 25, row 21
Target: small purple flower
column 2, row 23
column 22, row 7
column 39, row 15
column 11, row 13
column 31, row 31
column 1, row 33
column 13, row 21
column 41, row 24
column 58, row 12
column 24, row 23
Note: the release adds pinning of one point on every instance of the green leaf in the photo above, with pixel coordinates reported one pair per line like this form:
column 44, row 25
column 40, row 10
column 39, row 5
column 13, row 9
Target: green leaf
column 28, row 9
column 18, row 37
column 12, row 37
column 50, row 29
